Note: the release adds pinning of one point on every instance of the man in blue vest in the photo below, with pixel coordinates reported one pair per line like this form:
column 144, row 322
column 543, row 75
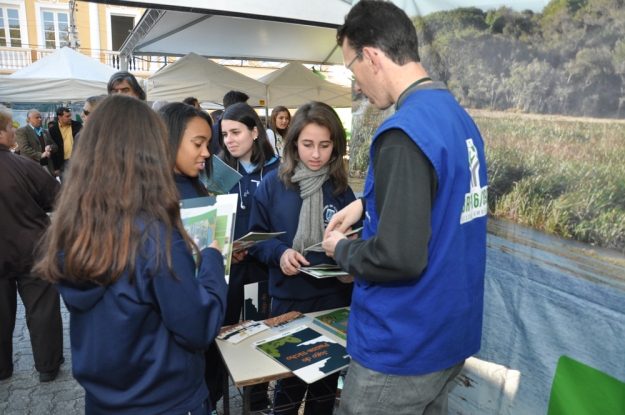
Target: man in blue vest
column 416, row 311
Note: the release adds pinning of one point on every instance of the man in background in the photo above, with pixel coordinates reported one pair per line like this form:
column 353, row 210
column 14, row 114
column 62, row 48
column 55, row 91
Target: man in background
column 27, row 193
column 35, row 142
column 192, row 101
column 125, row 83
column 63, row 135
column 418, row 299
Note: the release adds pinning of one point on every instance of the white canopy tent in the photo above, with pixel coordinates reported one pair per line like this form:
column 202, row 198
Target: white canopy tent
column 294, row 85
column 239, row 29
column 194, row 75
column 65, row 75
column 269, row 30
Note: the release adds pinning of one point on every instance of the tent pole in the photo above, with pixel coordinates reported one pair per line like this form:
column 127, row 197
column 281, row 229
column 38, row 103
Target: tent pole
column 266, row 106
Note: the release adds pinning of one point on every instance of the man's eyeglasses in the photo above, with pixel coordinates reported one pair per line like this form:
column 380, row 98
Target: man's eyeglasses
column 359, row 54
column 84, row 111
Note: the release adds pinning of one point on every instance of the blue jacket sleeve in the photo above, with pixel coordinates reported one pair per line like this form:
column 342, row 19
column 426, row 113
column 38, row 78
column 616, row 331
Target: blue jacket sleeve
column 271, row 250
column 192, row 308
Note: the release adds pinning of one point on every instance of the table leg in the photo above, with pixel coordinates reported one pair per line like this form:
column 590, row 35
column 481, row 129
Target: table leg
column 226, row 392
column 247, row 393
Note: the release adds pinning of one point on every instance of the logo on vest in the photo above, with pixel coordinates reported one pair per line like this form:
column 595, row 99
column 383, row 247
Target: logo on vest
column 328, row 212
column 476, row 201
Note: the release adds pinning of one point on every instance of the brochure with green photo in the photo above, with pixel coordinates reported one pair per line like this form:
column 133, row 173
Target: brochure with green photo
column 211, row 218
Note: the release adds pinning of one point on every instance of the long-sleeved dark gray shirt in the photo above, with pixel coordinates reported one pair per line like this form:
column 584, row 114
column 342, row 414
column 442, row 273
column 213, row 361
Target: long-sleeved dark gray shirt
column 405, row 187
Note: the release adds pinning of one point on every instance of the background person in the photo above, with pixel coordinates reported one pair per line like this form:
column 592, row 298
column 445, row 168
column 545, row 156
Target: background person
column 216, row 116
column 419, row 268
column 63, row 135
column 27, row 193
column 299, row 199
column 157, row 105
column 121, row 259
column 35, row 142
column 125, row 83
column 278, row 128
column 193, row 102
column 89, row 106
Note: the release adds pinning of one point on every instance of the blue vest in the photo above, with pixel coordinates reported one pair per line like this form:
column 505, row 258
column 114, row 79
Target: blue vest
column 434, row 320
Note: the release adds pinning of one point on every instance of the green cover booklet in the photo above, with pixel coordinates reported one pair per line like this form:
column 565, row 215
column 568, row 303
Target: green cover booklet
column 308, row 354
column 211, row 218
column 335, row 322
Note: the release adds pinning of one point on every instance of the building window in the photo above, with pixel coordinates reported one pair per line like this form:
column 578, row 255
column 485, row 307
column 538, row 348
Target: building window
column 10, row 28
column 55, row 25
column 121, row 26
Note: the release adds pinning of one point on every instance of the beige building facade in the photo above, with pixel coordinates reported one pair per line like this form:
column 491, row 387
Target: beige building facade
column 31, row 29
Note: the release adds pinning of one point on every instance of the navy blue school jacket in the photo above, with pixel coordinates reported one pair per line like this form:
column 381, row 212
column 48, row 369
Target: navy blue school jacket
column 276, row 209
column 250, row 269
column 137, row 347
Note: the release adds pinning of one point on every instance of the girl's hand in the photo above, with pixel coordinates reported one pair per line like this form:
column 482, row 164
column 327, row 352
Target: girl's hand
column 291, row 260
column 346, row 279
column 238, row 256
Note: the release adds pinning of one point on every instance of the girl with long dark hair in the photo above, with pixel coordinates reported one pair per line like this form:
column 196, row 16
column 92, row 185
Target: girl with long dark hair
column 140, row 318
column 246, row 150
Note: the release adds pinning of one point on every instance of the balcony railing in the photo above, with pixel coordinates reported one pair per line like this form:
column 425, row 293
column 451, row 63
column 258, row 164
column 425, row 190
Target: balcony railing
column 14, row 58
column 138, row 63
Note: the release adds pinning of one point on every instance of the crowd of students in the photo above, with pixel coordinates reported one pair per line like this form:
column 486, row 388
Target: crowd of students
column 141, row 322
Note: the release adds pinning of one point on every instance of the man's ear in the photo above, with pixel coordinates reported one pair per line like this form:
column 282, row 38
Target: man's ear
column 372, row 56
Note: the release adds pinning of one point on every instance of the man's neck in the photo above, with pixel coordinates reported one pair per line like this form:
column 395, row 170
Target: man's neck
column 66, row 125
column 402, row 77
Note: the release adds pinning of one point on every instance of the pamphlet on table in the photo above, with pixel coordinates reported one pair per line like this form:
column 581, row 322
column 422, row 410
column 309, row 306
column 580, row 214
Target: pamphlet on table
column 305, row 352
column 335, row 322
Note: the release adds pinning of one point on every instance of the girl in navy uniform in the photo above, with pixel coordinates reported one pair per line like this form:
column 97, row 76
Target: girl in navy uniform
column 141, row 310
column 247, row 150
column 190, row 135
column 300, row 199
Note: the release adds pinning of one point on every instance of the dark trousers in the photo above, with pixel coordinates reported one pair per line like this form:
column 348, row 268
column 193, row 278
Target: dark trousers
column 43, row 318
column 290, row 391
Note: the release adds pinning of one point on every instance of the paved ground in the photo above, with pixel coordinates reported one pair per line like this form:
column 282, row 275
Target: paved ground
column 23, row 394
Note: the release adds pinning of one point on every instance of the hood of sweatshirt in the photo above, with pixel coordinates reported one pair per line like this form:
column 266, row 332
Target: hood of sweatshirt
column 80, row 296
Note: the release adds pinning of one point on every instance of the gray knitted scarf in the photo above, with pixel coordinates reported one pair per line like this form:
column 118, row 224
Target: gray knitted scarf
column 310, row 229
